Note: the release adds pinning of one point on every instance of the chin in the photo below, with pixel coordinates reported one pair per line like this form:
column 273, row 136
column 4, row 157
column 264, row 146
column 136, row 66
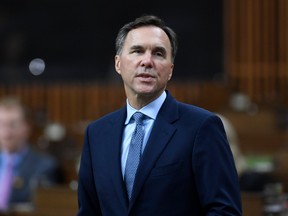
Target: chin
column 145, row 91
column 148, row 94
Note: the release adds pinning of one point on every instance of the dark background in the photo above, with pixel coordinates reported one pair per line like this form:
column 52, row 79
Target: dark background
column 76, row 38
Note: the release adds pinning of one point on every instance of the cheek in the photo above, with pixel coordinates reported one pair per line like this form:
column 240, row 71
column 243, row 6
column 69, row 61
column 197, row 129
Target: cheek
column 165, row 71
column 23, row 133
column 6, row 132
column 13, row 133
column 166, row 76
column 127, row 73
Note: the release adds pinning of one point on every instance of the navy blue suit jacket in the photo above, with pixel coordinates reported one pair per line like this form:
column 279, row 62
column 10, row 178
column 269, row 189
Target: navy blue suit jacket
column 34, row 169
column 187, row 167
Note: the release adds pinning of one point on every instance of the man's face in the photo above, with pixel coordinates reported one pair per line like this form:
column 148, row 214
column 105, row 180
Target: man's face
column 145, row 62
column 14, row 129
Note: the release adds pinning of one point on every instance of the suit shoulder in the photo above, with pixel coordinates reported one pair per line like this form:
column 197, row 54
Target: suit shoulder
column 194, row 110
column 107, row 118
column 41, row 157
column 198, row 114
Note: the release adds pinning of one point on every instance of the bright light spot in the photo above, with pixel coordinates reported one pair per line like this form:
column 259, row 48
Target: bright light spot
column 37, row 66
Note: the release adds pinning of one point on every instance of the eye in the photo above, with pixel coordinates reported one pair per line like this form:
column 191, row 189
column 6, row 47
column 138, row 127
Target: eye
column 136, row 49
column 160, row 52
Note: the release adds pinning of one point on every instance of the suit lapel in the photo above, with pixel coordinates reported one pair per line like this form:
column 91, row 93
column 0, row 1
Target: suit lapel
column 160, row 135
column 113, row 154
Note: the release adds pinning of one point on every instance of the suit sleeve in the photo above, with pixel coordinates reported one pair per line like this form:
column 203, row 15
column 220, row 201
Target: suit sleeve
column 87, row 196
column 215, row 172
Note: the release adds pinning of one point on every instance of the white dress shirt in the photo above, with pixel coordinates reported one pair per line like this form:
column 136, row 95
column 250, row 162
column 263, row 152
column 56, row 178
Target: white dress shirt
column 150, row 110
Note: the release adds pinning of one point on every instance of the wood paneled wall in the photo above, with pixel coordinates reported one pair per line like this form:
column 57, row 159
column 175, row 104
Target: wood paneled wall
column 257, row 48
column 256, row 62
column 74, row 105
column 70, row 103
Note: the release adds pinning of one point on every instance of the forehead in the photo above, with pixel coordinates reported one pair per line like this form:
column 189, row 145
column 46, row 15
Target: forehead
column 10, row 112
column 148, row 35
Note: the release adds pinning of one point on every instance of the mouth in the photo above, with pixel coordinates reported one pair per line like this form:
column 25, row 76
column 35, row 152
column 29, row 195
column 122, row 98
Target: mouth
column 145, row 76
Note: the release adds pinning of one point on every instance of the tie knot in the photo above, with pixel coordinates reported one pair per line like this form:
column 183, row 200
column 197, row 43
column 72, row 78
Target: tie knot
column 138, row 117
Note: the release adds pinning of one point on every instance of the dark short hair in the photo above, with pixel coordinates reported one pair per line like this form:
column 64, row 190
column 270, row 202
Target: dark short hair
column 146, row 20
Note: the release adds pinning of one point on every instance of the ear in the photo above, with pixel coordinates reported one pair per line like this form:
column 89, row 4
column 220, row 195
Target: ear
column 171, row 72
column 117, row 64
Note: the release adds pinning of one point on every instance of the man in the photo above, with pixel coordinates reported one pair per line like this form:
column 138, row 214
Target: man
column 186, row 166
column 22, row 169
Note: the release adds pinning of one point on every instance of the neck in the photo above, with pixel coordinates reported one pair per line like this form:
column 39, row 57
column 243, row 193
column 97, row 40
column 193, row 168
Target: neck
column 138, row 101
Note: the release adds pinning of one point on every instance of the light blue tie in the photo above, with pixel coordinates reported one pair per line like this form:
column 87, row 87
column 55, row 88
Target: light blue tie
column 134, row 153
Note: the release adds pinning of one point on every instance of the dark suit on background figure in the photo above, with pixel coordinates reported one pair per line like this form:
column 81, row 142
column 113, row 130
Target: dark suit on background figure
column 32, row 169
column 22, row 168
column 186, row 167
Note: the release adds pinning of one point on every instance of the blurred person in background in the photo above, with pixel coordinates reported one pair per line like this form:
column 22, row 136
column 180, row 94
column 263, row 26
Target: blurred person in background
column 250, row 180
column 22, row 168
column 239, row 158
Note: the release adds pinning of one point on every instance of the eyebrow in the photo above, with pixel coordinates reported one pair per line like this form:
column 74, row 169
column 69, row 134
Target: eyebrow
column 161, row 49
column 157, row 49
column 136, row 47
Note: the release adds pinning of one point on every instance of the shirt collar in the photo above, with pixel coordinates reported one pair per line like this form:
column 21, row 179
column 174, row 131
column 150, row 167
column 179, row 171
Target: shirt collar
column 16, row 157
column 151, row 110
